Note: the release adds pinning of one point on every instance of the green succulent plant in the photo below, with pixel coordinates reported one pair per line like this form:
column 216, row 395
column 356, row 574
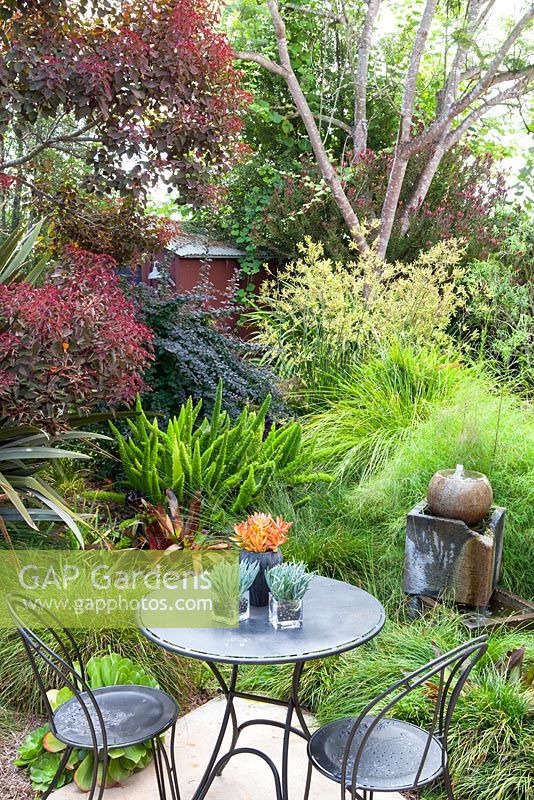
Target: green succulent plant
column 230, row 577
column 289, row 581
column 248, row 571
column 40, row 753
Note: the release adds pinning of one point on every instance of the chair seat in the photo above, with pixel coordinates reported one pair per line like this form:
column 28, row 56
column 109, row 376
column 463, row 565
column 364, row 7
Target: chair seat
column 131, row 714
column 390, row 758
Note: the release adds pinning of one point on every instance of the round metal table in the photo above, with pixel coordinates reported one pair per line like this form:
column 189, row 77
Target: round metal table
column 337, row 617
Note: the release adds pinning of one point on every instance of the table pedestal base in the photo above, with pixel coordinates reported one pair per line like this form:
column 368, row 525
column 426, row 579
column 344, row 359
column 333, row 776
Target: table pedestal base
column 217, row 763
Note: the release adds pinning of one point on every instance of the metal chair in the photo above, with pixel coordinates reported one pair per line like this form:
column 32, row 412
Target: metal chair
column 376, row 753
column 98, row 720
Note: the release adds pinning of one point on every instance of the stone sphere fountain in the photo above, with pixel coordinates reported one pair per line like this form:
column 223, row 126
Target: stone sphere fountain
column 457, row 494
column 454, row 540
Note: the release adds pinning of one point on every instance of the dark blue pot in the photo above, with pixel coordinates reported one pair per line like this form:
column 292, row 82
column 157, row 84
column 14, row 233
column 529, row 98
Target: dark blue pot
column 259, row 591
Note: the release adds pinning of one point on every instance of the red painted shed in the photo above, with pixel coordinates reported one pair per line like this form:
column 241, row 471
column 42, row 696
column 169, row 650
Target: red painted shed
column 190, row 255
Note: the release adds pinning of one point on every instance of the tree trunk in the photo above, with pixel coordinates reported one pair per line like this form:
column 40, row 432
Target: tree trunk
column 325, row 165
column 421, row 188
column 359, row 136
column 402, row 155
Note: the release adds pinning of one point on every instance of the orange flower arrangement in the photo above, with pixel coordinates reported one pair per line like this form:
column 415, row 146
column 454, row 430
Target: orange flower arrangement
column 260, row 533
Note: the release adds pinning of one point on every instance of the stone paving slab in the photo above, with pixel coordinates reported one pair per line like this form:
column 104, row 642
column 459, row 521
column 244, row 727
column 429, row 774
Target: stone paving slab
column 245, row 778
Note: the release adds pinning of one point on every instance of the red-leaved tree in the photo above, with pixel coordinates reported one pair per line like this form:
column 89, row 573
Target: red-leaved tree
column 138, row 91
column 70, row 344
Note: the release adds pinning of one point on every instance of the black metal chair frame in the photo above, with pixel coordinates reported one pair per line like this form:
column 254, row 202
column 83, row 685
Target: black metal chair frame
column 71, row 673
column 458, row 663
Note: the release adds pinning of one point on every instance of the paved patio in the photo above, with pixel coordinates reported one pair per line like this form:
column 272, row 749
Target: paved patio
column 245, row 778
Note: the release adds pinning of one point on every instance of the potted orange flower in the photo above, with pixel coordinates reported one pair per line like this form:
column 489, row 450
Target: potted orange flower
column 260, row 538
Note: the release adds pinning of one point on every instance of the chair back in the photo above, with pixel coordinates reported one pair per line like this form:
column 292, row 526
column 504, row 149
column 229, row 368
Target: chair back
column 62, row 657
column 450, row 671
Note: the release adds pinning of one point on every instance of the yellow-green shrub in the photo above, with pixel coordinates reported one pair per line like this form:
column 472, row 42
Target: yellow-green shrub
column 317, row 313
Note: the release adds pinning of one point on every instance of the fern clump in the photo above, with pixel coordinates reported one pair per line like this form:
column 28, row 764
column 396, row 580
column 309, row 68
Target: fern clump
column 230, row 464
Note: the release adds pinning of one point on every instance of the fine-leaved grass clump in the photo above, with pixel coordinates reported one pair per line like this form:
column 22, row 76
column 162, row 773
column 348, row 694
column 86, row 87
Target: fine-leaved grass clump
column 375, row 403
column 9, row 722
column 19, row 691
column 356, row 532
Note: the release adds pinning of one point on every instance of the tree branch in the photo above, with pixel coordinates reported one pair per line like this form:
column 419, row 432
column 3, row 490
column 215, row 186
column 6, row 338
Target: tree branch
column 263, row 61
column 361, row 79
column 493, row 68
column 446, row 96
column 426, row 176
column 436, row 129
column 337, row 123
column 450, row 87
column 512, row 75
column 71, row 137
column 500, row 98
column 315, row 12
column 325, row 165
column 400, row 158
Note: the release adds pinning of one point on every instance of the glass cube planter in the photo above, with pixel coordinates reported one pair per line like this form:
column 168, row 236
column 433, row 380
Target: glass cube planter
column 285, row 614
column 244, row 606
column 225, row 614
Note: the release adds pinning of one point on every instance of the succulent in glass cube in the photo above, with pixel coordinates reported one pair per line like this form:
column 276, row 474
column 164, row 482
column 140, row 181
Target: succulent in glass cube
column 285, row 614
column 230, row 582
column 288, row 583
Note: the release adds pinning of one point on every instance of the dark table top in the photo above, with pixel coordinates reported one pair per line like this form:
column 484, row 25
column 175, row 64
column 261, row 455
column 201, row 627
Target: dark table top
column 337, row 617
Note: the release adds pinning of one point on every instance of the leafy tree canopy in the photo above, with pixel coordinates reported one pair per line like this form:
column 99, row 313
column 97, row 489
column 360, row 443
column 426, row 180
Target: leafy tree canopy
column 135, row 91
column 407, row 81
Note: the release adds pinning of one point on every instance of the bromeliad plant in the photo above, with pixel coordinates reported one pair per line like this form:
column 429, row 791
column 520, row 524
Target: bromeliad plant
column 289, row 582
column 166, row 526
column 41, row 752
column 231, row 464
column 260, row 533
column 170, row 527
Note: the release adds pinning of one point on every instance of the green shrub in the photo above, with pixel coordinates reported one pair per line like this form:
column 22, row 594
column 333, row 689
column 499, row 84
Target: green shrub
column 498, row 319
column 230, row 464
column 194, row 348
column 375, row 404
